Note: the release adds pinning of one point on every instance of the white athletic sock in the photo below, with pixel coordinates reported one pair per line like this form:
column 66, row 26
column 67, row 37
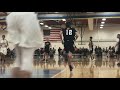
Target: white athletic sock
column 17, row 62
column 27, row 59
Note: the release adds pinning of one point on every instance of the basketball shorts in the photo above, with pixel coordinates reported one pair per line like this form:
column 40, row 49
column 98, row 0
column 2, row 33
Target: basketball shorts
column 3, row 51
column 69, row 46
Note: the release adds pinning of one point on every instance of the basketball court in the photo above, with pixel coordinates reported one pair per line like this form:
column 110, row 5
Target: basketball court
column 102, row 26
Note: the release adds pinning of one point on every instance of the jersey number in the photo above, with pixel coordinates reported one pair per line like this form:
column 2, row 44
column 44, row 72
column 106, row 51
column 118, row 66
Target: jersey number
column 68, row 32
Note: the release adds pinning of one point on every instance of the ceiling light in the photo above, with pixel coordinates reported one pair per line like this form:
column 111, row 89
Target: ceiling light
column 56, row 12
column 102, row 22
column 41, row 23
column 102, row 25
column 50, row 28
column 104, row 19
column 63, row 19
column 46, row 25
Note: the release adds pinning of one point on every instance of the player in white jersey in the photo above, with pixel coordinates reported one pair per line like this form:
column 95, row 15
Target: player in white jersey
column 3, row 48
column 25, row 34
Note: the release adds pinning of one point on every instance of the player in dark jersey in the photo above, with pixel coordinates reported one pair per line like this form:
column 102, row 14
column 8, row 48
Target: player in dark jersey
column 91, row 47
column 68, row 36
column 117, row 50
column 47, row 49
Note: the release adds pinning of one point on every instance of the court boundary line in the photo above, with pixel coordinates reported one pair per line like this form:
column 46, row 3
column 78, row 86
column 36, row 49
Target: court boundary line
column 58, row 73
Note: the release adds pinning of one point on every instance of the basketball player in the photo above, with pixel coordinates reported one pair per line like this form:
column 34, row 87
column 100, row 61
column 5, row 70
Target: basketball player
column 3, row 49
column 25, row 34
column 68, row 36
column 47, row 49
column 91, row 47
column 92, row 61
column 117, row 48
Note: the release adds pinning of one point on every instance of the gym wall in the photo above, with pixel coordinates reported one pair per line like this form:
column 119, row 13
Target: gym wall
column 105, row 38
column 2, row 32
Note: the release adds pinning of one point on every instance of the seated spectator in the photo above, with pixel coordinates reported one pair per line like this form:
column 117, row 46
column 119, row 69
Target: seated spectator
column 54, row 50
column 41, row 52
column 59, row 51
column 51, row 54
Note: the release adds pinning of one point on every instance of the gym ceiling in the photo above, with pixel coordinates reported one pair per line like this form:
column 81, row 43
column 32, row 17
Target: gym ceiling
column 91, row 20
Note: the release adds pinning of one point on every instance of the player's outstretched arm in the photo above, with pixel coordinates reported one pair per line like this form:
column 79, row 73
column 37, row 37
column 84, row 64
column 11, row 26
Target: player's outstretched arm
column 61, row 36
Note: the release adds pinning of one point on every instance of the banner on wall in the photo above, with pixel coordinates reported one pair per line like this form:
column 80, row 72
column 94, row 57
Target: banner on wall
column 53, row 34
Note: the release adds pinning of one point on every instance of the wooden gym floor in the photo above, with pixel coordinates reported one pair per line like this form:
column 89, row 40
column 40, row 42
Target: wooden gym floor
column 54, row 69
